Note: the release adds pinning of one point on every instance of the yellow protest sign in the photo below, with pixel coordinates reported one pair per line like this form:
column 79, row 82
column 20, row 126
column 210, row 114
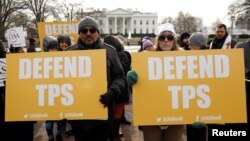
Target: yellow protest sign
column 181, row 87
column 55, row 85
column 55, row 29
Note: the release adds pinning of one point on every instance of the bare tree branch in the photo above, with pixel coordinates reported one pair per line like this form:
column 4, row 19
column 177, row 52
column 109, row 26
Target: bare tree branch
column 7, row 8
column 41, row 8
column 241, row 10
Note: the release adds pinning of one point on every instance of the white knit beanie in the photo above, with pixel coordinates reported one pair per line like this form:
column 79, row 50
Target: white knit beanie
column 166, row 27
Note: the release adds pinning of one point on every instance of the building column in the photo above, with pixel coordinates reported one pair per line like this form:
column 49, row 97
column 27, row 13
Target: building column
column 131, row 26
column 123, row 25
column 115, row 25
column 107, row 26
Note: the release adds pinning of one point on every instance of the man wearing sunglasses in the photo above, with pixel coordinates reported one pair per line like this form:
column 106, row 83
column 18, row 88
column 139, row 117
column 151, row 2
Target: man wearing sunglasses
column 89, row 38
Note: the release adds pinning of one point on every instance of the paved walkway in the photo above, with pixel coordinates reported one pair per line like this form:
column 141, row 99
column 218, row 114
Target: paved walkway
column 130, row 132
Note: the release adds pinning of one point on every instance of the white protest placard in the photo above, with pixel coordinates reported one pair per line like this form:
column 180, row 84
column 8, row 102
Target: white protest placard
column 15, row 36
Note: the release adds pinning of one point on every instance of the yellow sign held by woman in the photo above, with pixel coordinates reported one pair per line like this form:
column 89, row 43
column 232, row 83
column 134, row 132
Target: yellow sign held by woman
column 182, row 87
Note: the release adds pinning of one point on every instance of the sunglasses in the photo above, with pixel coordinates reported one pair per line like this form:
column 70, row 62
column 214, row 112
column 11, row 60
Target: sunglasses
column 86, row 30
column 163, row 37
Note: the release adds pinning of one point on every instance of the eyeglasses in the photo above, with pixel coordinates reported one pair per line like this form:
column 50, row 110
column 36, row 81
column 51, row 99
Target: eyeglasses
column 86, row 30
column 163, row 37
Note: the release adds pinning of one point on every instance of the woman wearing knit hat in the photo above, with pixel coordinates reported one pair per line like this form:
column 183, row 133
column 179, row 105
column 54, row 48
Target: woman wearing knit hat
column 166, row 38
column 141, row 42
column 64, row 42
column 148, row 45
column 165, row 42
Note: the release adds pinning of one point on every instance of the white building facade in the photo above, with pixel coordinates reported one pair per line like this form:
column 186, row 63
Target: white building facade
column 120, row 21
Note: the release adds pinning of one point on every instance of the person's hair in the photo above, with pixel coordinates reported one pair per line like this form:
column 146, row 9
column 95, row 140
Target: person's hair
column 14, row 49
column 65, row 38
column 114, row 41
column 175, row 45
column 32, row 40
column 62, row 38
column 222, row 26
column 120, row 41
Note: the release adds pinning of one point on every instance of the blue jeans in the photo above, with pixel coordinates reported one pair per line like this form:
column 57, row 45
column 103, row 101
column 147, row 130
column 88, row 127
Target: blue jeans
column 49, row 129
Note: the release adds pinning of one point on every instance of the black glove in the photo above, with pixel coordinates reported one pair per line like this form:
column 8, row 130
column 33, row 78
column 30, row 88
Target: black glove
column 106, row 98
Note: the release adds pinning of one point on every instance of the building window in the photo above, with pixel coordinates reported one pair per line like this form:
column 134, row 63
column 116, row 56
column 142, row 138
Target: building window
column 147, row 22
column 126, row 22
column 126, row 31
column 101, row 31
column 110, row 22
column 134, row 30
column 153, row 31
column 141, row 22
column 100, row 22
column 110, row 31
column 153, row 22
column 147, row 31
column 140, row 31
column 134, row 22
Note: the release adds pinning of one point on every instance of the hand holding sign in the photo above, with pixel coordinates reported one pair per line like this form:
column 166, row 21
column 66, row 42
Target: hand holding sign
column 107, row 98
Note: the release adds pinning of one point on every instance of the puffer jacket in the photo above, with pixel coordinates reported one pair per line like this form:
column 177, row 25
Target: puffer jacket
column 115, row 77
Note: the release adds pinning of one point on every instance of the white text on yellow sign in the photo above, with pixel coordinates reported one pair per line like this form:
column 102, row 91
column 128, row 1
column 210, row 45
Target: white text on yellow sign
column 56, row 85
column 182, row 87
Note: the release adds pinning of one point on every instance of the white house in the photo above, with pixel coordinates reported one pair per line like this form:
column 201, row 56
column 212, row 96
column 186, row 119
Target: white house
column 128, row 21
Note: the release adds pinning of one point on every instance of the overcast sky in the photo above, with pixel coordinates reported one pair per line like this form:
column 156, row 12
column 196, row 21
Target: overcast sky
column 208, row 10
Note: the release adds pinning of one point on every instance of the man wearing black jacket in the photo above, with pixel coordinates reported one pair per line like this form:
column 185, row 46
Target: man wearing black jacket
column 222, row 38
column 89, row 39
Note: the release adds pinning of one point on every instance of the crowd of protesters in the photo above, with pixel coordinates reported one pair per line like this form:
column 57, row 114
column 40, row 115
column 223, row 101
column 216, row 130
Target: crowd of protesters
column 119, row 80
